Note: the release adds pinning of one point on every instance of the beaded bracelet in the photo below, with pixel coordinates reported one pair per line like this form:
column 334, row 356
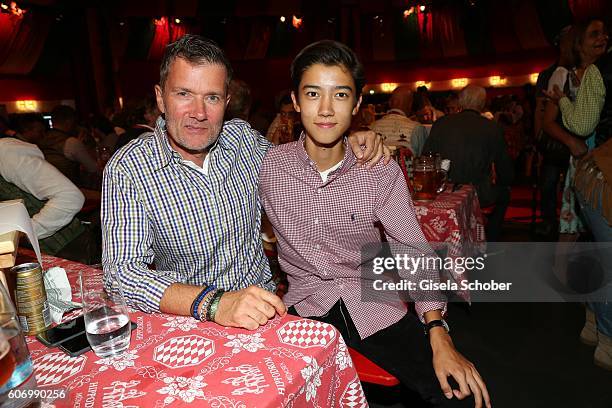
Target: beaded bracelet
column 205, row 303
column 195, row 306
column 214, row 305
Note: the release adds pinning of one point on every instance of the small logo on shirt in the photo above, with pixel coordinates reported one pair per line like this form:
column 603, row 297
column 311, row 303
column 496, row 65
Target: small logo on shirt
column 353, row 217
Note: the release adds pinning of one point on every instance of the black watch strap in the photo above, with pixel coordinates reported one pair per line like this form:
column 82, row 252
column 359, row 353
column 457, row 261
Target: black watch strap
column 436, row 323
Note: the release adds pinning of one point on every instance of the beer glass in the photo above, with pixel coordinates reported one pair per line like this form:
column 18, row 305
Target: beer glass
column 15, row 361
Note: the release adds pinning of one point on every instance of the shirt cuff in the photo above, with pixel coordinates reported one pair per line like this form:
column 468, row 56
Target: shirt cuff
column 423, row 307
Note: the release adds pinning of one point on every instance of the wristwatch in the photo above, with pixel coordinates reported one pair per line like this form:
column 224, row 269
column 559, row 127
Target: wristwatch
column 436, row 323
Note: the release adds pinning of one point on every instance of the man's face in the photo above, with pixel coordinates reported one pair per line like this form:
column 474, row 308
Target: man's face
column 193, row 100
column 326, row 102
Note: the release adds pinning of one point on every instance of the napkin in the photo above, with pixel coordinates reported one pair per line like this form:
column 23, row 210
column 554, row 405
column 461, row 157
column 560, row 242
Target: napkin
column 59, row 293
column 14, row 217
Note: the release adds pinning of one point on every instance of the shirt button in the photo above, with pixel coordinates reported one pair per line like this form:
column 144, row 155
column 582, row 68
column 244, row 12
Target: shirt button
column 318, row 190
column 318, row 246
column 342, row 286
column 316, row 221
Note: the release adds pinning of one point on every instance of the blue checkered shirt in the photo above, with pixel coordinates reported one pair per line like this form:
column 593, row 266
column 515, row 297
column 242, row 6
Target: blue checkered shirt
column 195, row 228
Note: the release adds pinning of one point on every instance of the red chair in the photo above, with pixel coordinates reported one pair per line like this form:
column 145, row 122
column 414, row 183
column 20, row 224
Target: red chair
column 371, row 373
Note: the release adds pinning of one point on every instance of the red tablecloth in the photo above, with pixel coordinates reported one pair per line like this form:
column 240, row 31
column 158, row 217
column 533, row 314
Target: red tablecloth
column 454, row 219
column 176, row 361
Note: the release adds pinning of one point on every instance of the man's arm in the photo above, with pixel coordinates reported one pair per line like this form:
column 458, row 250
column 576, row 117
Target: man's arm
column 582, row 116
column 374, row 148
column 394, row 200
column 127, row 240
column 45, row 182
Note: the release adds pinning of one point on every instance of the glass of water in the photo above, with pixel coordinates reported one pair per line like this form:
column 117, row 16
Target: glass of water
column 107, row 321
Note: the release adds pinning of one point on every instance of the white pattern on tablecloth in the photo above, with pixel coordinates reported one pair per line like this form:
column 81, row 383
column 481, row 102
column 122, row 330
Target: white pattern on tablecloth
column 183, row 323
column 186, row 389
column 246, row 342
column 353, row 395
column 252, row 379
column 307, row 333
column 53, row 368
column 184, row 351
column 312, row 375
column 120, row 391
column 343, row 360
column 120, row 362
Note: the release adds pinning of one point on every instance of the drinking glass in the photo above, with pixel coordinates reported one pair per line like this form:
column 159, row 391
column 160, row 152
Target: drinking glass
column 15, row 361
column 107, row 322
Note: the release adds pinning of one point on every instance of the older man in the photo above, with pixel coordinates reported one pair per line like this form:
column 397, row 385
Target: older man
column 184, row 198
column 395, row 126
column 474, row 145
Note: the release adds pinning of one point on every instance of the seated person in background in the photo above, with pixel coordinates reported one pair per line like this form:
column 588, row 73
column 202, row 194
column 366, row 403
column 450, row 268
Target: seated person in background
column 396, row 128
column 474, row 144
column 451, row 104
column 285, row 127
column 63, row 149
column 138, row 118
column 307, row 189
column 424, row 111
column 240, row 100
column 50, row 198
column 184, row 198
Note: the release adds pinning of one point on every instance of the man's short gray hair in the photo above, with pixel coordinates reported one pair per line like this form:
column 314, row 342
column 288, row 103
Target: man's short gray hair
column 196, row 50
column 473, row 97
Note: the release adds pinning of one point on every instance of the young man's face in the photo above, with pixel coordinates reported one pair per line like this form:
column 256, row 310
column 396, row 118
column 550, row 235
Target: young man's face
column 326, row 102
column 193, row 100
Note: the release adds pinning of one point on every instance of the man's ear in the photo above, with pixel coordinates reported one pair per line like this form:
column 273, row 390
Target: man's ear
column 356, row 108
column 160, row 99
column 296, row 106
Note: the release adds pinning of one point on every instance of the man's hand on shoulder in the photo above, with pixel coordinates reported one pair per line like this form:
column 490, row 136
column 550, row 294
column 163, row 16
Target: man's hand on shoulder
column 374, row 150
column 448, row 362
column 248, row 308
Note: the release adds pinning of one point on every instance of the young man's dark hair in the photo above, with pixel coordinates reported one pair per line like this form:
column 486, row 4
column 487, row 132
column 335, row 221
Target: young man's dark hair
column 196, row 50
column 328, row 52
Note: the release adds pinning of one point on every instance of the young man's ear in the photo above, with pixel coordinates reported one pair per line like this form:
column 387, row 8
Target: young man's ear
column 356, row 108
column 160, row 100
column 296, row 106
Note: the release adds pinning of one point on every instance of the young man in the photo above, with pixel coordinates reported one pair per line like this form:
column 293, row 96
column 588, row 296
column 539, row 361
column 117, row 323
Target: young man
column 321, row 225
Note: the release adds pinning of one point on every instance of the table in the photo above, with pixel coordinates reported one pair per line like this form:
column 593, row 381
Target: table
column 177, row 361
column 454, row 219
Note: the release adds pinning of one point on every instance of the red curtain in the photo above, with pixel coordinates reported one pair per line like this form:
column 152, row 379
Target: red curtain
column 582, row 9
column 527, row 26
column 165, row 33
column 447, row 26
column 21, row 41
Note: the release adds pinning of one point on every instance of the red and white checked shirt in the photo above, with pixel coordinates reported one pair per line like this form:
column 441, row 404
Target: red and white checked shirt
column 322, row 226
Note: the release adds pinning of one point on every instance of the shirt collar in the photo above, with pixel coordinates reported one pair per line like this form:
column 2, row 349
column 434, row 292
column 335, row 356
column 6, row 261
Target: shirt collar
column 164, row 150
column 396, row 111
column 347, row 162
